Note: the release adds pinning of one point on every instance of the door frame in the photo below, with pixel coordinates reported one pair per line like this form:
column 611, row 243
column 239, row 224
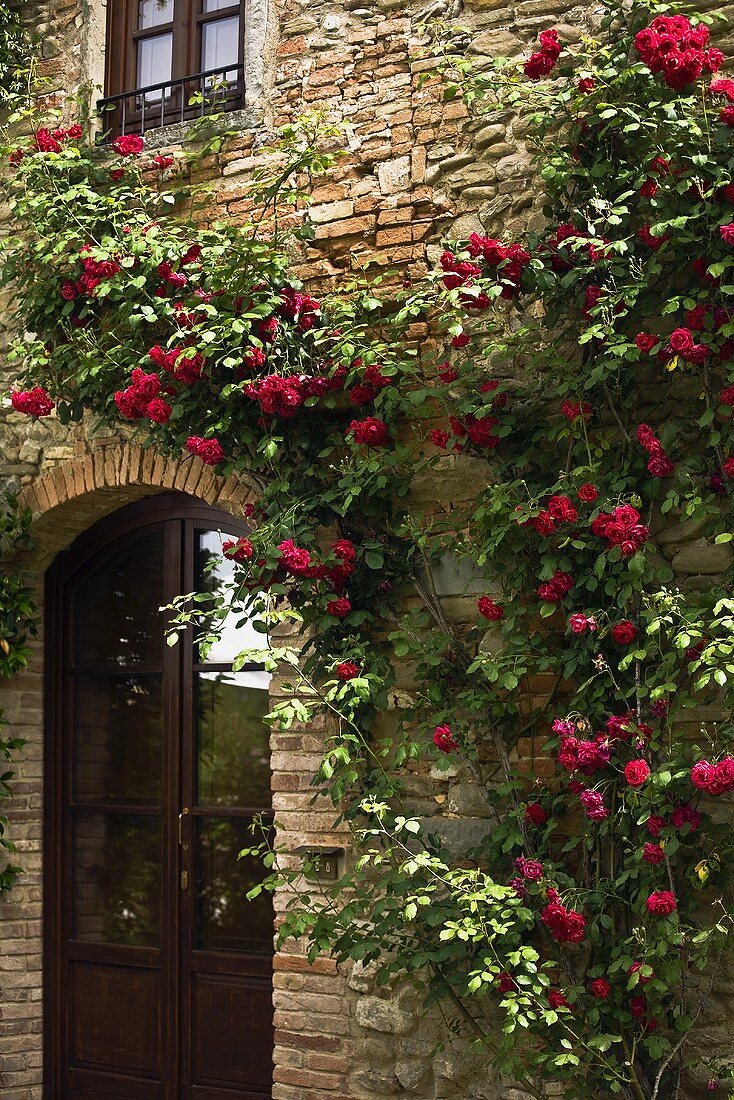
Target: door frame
column 151, row 510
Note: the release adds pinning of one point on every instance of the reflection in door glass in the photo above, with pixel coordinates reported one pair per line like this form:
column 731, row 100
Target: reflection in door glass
column 220, row 45
column 117, row 878
column 233, row 757
column 115, row 609
column 118, row 738
column 227, row 921
column 213, row 574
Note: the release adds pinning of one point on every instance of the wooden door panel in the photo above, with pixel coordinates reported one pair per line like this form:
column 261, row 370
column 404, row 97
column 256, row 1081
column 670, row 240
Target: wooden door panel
column 232, row 1033
column 115, row 1016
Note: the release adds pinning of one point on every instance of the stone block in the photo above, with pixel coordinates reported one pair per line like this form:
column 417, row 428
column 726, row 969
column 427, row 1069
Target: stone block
column 703, row 557
column 376, row 1014
column 394, row 175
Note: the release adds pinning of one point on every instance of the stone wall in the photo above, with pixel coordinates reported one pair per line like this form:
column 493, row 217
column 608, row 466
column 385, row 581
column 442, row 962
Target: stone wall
column 416, row 169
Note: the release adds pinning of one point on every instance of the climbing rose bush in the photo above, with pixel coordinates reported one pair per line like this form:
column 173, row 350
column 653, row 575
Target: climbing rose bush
column 579, row 940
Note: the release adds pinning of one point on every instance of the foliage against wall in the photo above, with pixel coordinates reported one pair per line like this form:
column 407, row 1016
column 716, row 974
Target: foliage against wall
column 586, row 372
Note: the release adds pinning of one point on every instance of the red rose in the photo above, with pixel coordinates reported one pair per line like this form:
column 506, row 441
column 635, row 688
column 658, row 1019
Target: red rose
column 655, row 824
column 128, row 145
column 645, row 341
column 347, row 670
column 240, row 550
column 158, row 410
column 638, row 1005
column 489, row 609
column 444, row 740
column 557, row 1000
column 461, row 340
column 439, row 438
column 505, row 983
column 642, row 979
column 681, row 340
column 372, row 432
column 727, row 233
column 624, row 633
column 652, row 853
column 339, row 608
column 662, row 903
column 601, row 988
column 586, row 84
column 636, row 772
column 535, row 814
column 588, row 493
column 580, row 623
column 531, row 869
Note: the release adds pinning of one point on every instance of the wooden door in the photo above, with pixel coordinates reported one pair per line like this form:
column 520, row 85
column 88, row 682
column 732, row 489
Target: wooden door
column 159, row 972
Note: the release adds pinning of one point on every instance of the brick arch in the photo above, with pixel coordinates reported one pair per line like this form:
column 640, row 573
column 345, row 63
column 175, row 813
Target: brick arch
column 69, row 498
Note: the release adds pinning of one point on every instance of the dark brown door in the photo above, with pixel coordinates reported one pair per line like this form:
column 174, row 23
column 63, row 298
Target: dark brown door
column 159, row 971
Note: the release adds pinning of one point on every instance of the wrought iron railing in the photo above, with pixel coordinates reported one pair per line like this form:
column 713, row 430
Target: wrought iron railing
column 173, row 101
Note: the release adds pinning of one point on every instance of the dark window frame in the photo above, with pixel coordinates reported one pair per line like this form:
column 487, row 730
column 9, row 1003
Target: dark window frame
column 124, row 109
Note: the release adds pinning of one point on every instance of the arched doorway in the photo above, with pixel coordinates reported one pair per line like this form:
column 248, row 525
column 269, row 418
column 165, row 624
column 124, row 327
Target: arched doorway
column 158, row 971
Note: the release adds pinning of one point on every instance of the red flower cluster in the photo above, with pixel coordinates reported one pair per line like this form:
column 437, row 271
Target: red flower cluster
column 575, row 410
column 621, row 528
column 141, row 398
column 128, row 145
column 477, row 429
column 658, row 464
column 714, row 779
column 568, row 245
column 652, row 853
column 372, row 432
column 298, row 307
column 587, row 757
column 564, row 925
column 725, row 87
column 508, row 261
column 593, row 803
column 542, row 62
column 35, row 402
column 444, row 740
column 556, row 588
column 185, row 365
column 654, row 243
column 489, row 609
column 50, row 141
column 681, row 342
column 671, row 45
column 580, row 623
column 208, row 450
column 531, row 869
column 241, row 550
column 373, row 380
column 339, row 608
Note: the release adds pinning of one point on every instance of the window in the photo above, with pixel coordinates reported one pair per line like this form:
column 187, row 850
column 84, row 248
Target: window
column 171, row 60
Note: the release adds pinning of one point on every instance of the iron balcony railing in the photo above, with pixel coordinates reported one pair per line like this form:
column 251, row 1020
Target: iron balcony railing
column 173, row 101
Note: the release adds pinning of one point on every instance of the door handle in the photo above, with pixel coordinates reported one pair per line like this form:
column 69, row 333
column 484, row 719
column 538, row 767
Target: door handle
column 184, row 813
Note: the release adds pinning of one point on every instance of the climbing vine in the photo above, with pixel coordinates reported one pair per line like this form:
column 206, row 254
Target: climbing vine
column 580, row 380
column 17, row 624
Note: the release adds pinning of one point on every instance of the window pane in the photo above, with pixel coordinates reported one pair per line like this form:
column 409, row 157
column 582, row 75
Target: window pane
column 220, row 44
column 217, row 5
column 116, row 617
column 151, row 13
column 117, row 879
column 233, row 755
column 233, row 639
column 118, row 739
column 227, row 921
column 154, row 61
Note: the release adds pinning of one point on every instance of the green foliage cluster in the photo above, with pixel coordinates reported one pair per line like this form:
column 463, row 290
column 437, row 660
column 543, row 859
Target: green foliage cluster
column 17, row 623
column 589, row 936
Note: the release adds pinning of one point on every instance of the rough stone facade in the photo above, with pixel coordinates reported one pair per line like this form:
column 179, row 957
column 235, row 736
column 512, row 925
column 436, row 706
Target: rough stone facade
column 416, row 169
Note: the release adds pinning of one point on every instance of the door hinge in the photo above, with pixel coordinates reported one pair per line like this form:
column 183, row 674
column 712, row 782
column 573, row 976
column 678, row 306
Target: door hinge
column 184, row 880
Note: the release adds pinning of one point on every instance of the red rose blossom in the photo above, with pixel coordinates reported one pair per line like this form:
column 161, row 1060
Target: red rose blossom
column 444, row 740
column 535, row 814
column 636, row 772
column 624, row 633
column 489, row 609
column 727, row 233
column 652, row 853
column 662, row 903
column 600, row 988
column 208, row 450
column 372, row 432
column 347, row 670
column 128, row 145
column 588, row 493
